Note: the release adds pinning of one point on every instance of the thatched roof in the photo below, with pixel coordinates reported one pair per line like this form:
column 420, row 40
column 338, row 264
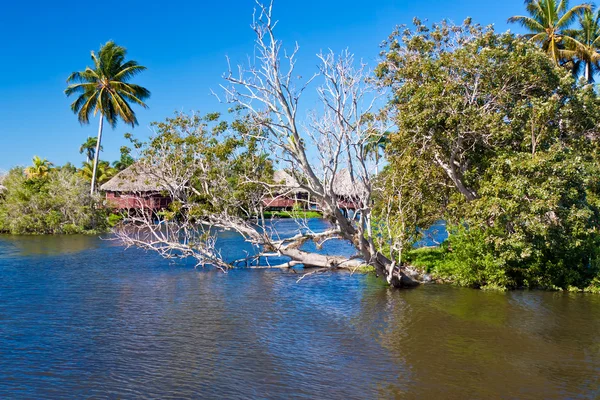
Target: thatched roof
column 343, row 185
column 140, row 178
column 289, row 183
column 136, row 178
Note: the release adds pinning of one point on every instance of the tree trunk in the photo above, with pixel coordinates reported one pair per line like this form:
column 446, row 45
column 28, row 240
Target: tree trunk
column 320, row 260
column 384, row 267
column 450, row 170
column 588, row 75
column 96, row 155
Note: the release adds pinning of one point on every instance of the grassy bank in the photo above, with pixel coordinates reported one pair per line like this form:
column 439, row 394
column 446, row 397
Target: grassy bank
column 293, row 214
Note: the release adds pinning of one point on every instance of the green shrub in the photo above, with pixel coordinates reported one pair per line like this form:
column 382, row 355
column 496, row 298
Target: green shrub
column 114, row 219
column 57, row 203
column 535, row 224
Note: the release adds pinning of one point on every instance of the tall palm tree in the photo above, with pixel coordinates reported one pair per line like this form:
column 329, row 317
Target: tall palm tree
column 89, row 148
column 105, row 89
column 588, row 35
column 547, row 22
column 40, row 168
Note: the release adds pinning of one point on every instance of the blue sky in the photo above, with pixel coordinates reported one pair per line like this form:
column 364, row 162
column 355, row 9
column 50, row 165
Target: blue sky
column 184, row 45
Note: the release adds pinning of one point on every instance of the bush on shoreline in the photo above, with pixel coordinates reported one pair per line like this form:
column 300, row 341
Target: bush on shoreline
column 56, row 202
column 507, row 147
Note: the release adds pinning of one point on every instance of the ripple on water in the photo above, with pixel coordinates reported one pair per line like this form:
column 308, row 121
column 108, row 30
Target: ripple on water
column 86, row 319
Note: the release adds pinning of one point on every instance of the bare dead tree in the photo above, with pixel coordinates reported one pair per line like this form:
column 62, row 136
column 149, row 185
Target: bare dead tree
column 179, row 163
column 336, row 174
column 270, row 91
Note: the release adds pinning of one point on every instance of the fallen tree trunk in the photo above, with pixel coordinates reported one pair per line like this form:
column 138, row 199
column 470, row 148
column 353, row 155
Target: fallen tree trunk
column 321, row 260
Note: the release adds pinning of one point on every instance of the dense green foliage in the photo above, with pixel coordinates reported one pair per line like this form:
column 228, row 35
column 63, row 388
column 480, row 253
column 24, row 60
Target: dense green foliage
column 501, row 144
column 535, row 223
column 57, row 202
column 212, row 168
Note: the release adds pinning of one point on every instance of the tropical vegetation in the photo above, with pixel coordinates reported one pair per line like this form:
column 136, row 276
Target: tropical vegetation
column 588, row 38
column 46, row 199
column 496, row 134
column 506, row 145
column 56, row 202
column 547, row 22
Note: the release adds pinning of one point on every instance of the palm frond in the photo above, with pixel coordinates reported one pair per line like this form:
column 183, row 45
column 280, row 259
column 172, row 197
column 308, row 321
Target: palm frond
column 570, row 15
column 538, row 38
column 79, row 88
column 128, row 72
column 85, row 109
column 526, row 22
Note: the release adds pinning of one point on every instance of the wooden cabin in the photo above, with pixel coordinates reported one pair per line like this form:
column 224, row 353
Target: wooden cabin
column 348, row 191
column 290, row 193
column 136, row 187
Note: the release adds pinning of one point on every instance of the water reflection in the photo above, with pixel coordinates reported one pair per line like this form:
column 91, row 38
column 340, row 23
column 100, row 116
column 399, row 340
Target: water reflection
column 101, row 322
column 45, row 245
column 460, row 343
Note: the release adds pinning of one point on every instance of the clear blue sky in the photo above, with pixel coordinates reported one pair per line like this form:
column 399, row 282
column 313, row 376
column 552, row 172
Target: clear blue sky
column 183, row 44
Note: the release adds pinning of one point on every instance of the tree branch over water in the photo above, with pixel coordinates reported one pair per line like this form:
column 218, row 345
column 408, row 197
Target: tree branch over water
column 227, row 188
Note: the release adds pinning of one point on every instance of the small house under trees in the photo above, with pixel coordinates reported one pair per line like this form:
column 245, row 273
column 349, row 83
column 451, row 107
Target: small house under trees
column 137, row 187
column 290, row 193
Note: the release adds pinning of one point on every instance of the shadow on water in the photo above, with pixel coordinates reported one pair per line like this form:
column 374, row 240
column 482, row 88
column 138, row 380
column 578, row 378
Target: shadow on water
column 81, row 318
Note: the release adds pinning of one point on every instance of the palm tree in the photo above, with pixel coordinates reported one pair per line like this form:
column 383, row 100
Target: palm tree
column 40, row 168
column 105, row 89
column 89, row 148
column 103, row 172
column 588, row 35
column 547, row 22
column 376, row 144
column 125, row 161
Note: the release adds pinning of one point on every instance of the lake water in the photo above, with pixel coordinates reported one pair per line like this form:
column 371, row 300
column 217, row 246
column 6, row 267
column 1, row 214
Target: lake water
column 82, row 318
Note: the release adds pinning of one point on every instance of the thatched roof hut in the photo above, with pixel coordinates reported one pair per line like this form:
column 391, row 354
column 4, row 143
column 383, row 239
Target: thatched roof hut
column 342, row 185
column 137, row 187
column 345, row 187
column 288, row 182
column 137, row 178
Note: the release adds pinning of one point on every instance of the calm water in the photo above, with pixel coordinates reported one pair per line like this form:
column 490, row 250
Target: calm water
column 82, row 318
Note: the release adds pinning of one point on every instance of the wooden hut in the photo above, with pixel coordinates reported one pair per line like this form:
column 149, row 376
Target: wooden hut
column 136, row 187
column 288, row 194
column 349, row 192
